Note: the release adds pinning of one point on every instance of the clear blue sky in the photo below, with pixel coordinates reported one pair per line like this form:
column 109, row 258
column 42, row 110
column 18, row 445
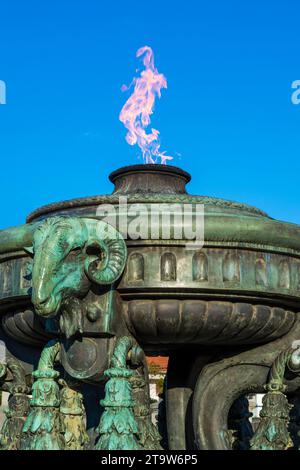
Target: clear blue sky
column 227, row 110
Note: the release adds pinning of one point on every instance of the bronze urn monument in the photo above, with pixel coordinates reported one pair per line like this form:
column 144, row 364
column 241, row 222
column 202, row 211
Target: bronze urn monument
column 82, row 305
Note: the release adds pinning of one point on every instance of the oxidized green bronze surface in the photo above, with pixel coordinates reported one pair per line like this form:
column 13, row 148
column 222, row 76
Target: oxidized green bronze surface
column 226, row 314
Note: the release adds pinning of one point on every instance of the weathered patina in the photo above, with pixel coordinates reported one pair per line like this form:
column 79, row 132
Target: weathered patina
column 226, row 315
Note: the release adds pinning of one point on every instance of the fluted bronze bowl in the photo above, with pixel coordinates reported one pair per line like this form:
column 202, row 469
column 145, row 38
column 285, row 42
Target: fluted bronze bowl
column 242, row 286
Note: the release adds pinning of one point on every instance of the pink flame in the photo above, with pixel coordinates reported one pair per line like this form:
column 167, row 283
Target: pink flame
column 137, row 110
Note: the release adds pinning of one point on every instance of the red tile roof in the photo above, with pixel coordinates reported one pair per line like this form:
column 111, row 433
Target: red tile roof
column 160, row 361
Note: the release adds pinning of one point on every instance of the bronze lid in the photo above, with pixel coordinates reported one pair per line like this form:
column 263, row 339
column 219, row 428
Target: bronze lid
column 147, row 183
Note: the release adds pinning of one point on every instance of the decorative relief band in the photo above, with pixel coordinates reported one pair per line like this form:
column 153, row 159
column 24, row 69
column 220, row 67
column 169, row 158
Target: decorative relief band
column 15, row 277
column 215, row 268
column 175, row 267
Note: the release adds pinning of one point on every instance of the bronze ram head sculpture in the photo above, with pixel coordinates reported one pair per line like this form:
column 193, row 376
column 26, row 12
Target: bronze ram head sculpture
column 70, row 255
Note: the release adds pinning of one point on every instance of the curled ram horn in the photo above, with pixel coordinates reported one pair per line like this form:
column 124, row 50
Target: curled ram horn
column 106, row 253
